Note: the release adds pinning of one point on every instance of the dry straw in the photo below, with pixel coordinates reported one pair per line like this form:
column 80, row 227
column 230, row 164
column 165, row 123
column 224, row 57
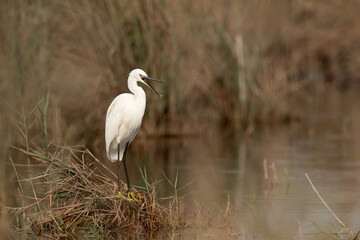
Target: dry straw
column 77, row 197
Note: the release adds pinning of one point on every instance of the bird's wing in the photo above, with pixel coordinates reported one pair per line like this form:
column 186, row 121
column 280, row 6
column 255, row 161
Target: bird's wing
column 113, row 120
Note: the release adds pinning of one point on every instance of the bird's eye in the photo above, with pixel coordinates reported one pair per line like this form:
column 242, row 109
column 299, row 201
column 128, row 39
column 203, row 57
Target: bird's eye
column 141, row 76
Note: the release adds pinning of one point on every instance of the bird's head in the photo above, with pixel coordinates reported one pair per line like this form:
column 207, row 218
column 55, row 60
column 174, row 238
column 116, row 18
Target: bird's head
column 142, row 77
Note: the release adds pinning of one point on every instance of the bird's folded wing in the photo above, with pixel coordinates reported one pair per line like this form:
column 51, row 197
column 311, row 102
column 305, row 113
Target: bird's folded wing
column 112, row 124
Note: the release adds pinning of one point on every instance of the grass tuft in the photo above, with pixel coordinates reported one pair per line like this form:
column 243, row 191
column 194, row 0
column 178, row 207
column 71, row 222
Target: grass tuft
column 76, row 196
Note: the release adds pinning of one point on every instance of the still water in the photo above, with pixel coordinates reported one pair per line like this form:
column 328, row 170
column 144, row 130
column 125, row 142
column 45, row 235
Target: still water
column 218, row 171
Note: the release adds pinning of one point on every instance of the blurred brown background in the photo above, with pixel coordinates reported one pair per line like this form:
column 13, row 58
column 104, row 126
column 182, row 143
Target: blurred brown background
column 229, row 64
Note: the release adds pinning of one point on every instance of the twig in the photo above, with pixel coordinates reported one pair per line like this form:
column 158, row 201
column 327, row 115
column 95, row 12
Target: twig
column 339, row 221
column 17, row 175
column 266, row 178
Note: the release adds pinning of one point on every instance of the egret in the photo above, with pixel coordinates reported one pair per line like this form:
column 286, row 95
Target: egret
column 123, row 120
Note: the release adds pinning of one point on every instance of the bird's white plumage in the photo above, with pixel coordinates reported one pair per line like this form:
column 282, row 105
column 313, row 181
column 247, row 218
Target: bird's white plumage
column 124, row 116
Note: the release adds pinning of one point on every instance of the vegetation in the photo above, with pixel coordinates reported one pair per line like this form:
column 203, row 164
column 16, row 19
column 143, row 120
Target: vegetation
column 75, row 198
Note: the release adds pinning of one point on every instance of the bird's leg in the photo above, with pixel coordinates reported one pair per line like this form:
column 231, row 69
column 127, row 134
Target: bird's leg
column 118, row 171
column 126, row 172
column 129, row 192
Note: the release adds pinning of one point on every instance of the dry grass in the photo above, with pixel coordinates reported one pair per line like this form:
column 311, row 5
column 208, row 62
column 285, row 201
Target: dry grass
column 75, row 197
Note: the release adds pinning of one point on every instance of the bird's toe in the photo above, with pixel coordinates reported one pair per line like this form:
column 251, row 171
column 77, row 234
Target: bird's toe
column 120, row 195
column 131, row 195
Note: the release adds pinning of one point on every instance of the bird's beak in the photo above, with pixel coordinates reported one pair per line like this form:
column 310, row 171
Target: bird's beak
column 155, row 80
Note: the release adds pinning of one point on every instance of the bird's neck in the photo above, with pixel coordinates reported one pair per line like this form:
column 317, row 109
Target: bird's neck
column 138, row 92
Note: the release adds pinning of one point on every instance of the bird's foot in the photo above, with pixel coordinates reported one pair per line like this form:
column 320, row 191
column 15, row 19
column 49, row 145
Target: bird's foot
column 120, row 195
column 131, row 196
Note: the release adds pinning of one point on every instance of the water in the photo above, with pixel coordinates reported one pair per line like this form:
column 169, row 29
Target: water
column 222, row 169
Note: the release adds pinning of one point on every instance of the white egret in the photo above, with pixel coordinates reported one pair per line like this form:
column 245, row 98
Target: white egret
column 123, row 120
